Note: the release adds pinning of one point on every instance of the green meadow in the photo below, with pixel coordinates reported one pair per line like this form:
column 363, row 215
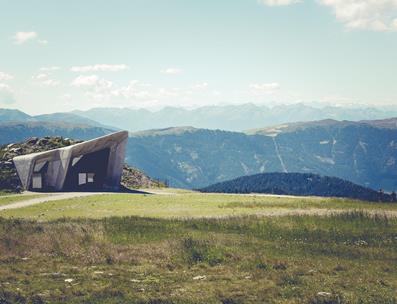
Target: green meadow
column 172, row 203
column 188, row 247
column 7, row 199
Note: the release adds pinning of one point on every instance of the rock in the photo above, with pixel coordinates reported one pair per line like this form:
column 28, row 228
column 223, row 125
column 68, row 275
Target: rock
column 360, row 243
column 32, row 140
column 16, row 150
column 8, row 163
column 133, row 178
column 10, row 146
column 200, row 277
column 43, row 141
column 324, row 294
column 69, row 280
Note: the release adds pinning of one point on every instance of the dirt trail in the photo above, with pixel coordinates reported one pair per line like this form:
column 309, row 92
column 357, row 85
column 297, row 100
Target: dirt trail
column 46, row 198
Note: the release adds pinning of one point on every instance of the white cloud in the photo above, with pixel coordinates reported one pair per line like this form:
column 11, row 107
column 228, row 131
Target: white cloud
column 40, row 76
column 42, row 41
column 96, row 89
column 44, row 80
column 200, row 86
column 50, row 83
column 376, row 15
column 265, row 87
column 278, row 2
column 135, row 89
column 172, row 71
column 85, row 81
column 5, row 76
column 101, row 92
column 100, row 68
column 49, row 69
column 22, row 37
column 6, row 94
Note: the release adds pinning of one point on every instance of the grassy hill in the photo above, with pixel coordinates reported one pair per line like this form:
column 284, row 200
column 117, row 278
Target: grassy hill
column 304, row 184
column 186, row 247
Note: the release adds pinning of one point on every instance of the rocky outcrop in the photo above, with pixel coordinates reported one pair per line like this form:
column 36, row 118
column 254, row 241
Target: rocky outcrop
column 133, row 179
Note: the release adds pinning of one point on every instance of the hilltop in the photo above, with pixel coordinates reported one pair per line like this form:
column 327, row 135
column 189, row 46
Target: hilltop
column 300, row 184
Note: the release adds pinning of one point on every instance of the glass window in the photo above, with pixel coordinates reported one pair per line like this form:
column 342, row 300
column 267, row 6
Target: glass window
column 82, row 178
column 90, row 177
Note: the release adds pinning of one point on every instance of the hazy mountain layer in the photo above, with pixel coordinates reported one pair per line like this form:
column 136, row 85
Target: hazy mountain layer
column 231, row 118
column 11, row 132
column 8, row 115
column 359, row 152
column 362, row 152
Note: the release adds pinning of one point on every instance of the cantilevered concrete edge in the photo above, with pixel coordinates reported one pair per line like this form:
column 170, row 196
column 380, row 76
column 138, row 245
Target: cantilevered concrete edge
column 59, row 162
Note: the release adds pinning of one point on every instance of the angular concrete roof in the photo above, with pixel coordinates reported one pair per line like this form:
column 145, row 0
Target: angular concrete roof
column 62, row 157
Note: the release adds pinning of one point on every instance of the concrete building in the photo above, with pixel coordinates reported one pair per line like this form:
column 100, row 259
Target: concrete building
column 91, row 165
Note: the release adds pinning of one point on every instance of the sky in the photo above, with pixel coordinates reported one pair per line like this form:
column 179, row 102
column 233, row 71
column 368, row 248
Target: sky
column 63, row 55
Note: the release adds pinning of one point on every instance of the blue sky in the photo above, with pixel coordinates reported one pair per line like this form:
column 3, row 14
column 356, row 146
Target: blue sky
column 65, row 55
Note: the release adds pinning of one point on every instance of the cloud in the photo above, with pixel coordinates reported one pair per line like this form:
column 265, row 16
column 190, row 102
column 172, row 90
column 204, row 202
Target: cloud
column 5, row 76
column 6, row 94
column 172, row 71
column 200, row 86
column 44, row 80
column 96, row 89
column 85, row 81
column 376, row 15
column 100, row 68
column 135, row 89
column 50, row 83
column 22, row 37
column 40, row 76
column 278, row 2
column 49, row 69
column 265, row 87
column 42, row 41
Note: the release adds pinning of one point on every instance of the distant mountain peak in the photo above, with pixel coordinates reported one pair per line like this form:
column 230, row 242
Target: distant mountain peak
column 165, row 131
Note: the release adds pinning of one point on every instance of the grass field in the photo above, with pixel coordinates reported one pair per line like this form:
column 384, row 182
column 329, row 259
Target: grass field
column 184, row 204
column 13, row 198
column 194, row 248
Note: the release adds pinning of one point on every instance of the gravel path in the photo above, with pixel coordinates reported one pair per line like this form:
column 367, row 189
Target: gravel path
column 46, row 198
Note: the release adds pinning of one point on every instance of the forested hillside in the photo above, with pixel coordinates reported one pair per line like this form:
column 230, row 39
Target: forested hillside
column 364, row 153
column 302, row 184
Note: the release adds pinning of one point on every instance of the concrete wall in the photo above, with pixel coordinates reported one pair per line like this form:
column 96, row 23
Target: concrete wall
column 61, row 159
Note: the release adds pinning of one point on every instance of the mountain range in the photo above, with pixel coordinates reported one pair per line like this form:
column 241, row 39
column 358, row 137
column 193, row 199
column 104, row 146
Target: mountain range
column 364, row 152
column 231, row 118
